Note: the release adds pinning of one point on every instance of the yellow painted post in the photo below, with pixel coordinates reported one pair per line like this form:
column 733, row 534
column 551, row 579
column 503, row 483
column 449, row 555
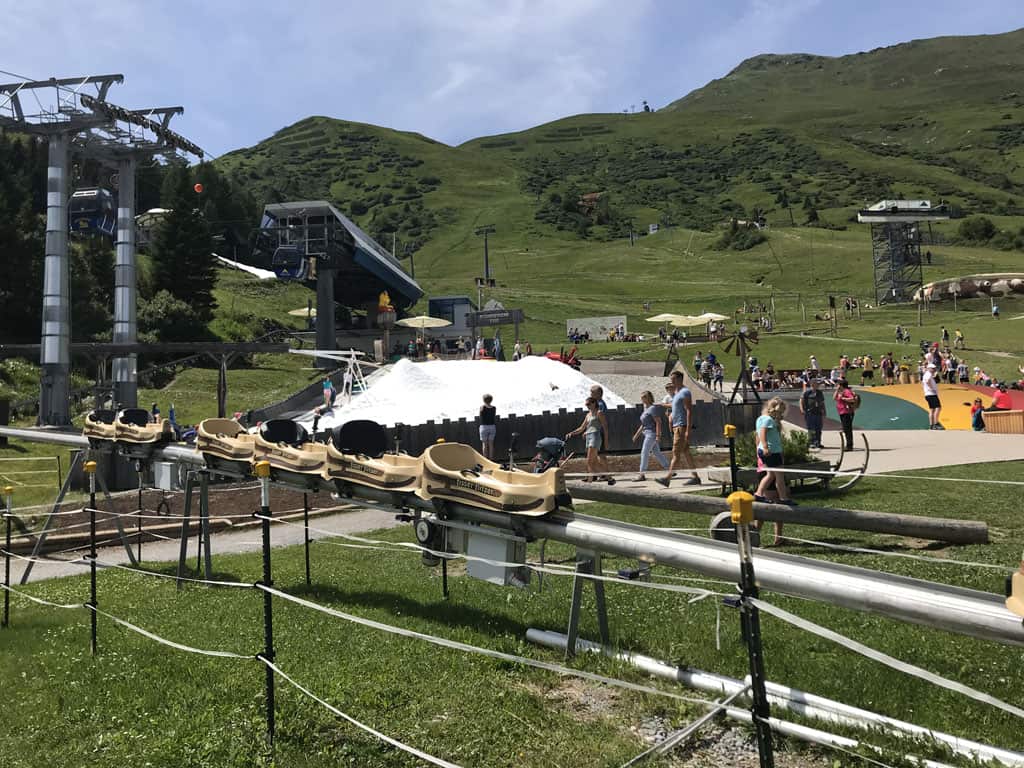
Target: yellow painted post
column 741, row 506
column 1015, row 591
column 730, row 434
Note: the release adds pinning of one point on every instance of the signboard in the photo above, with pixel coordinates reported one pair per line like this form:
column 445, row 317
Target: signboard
column 597, row 327
column 494, row 317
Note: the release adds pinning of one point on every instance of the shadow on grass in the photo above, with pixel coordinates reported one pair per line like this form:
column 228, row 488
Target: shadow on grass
column 934, row 546
column 441, row 611
column 193, row 573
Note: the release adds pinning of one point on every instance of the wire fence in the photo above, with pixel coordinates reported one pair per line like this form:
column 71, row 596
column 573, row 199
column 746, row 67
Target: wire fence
column 35, row 476
column 747, row 601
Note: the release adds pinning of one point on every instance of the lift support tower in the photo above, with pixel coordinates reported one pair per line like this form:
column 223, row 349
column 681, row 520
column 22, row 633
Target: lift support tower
column 72, row 119
column 896, row 245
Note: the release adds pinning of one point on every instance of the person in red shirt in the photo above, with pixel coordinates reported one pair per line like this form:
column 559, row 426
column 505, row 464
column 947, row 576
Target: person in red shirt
column 1001, row 400
column 846, row 404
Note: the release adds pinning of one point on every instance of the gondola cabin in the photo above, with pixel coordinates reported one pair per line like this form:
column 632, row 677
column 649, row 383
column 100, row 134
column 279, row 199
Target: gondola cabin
column 290, row 262
column 92, row 212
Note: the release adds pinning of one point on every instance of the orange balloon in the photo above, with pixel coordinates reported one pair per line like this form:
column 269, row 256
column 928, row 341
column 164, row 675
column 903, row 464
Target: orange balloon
column 198, row 188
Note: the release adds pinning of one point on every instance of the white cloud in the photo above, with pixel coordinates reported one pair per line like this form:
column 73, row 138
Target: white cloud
column 451, row 69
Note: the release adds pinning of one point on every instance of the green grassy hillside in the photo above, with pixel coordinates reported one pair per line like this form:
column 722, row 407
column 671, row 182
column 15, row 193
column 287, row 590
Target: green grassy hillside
column 778, row 136
column 937, row 118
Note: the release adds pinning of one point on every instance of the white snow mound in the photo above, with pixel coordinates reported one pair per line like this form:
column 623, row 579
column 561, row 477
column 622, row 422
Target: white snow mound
column 414, row 393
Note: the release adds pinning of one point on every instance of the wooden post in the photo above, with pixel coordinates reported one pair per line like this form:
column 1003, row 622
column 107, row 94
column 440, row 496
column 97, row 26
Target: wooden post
column 934, row 528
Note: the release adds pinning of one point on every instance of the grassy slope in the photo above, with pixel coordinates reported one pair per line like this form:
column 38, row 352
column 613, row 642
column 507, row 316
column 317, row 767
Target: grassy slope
column 845, row 130
column 139, row 700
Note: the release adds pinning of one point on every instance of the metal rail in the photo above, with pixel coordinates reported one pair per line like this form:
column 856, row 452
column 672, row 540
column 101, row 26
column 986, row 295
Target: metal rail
column 954, row 609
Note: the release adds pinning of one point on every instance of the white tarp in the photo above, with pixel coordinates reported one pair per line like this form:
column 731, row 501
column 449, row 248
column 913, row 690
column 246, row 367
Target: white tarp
column 262, row 274
column 414, row 393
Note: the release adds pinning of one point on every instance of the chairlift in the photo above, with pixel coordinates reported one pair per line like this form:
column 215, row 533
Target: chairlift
column 92, row 211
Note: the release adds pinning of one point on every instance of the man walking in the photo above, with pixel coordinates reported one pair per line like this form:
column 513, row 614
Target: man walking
column 812, row 406
column 930, row 384
column 682, row 410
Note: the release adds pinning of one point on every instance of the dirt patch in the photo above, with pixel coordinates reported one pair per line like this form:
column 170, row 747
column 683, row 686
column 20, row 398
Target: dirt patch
column 584, row 701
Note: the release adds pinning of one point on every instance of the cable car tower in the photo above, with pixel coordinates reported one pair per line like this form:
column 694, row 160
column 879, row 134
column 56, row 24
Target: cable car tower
column 896, row 245
column 75, row 116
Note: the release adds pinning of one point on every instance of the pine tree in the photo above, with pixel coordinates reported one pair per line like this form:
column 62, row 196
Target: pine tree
column 183, row 260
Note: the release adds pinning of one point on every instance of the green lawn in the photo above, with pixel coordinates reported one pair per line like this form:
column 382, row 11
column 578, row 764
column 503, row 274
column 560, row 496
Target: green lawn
column 138, row 701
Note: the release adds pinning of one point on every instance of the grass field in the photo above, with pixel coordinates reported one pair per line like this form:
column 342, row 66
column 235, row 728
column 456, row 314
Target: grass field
column 141, row 703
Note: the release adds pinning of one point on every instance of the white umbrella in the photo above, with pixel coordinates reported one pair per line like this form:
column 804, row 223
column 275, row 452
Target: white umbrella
column 423, row 321
column 687, row 321
column 665, row 317
column 303, row 312
column 713, row 317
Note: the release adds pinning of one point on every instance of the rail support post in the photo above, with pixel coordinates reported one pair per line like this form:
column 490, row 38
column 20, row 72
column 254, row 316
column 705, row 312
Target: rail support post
column 588, row 563
column 263, row 473
column 742, row 508
column 190, row 477
column 90, row 470
column 9, row 501
column 206, row 561
column 730, row 434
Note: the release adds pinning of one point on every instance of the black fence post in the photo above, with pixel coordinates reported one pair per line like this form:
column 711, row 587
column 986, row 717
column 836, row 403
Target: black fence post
column 138, row 526
column 90, row 470
column 9, row 498
column 305, row 522
column 263, row 473
column 730, row 435
column 742, row 507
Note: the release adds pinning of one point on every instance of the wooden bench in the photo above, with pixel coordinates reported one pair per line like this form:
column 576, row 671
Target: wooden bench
column 1004, row 422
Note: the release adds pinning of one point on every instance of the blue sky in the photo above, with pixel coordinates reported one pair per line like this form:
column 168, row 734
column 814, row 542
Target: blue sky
column 450, row 69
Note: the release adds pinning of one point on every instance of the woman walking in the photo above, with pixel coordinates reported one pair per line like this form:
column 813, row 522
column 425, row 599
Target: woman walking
column 593, row 428
column 846, row 403
column 650, row 430
column 488, row 427
column 769, row 451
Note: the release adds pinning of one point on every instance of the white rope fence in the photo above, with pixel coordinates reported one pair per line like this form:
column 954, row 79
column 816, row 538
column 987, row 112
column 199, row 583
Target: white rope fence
column 883, row 658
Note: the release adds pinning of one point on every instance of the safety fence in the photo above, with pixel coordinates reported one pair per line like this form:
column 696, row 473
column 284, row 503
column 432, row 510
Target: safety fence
column 708, row 419
column 32, row 471
column 746, row 599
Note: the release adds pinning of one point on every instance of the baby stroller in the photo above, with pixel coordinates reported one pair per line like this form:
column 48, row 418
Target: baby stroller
column 550, row 453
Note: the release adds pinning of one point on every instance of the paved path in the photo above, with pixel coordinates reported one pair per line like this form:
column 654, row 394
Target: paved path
column 246, row 539
column 902, row 449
